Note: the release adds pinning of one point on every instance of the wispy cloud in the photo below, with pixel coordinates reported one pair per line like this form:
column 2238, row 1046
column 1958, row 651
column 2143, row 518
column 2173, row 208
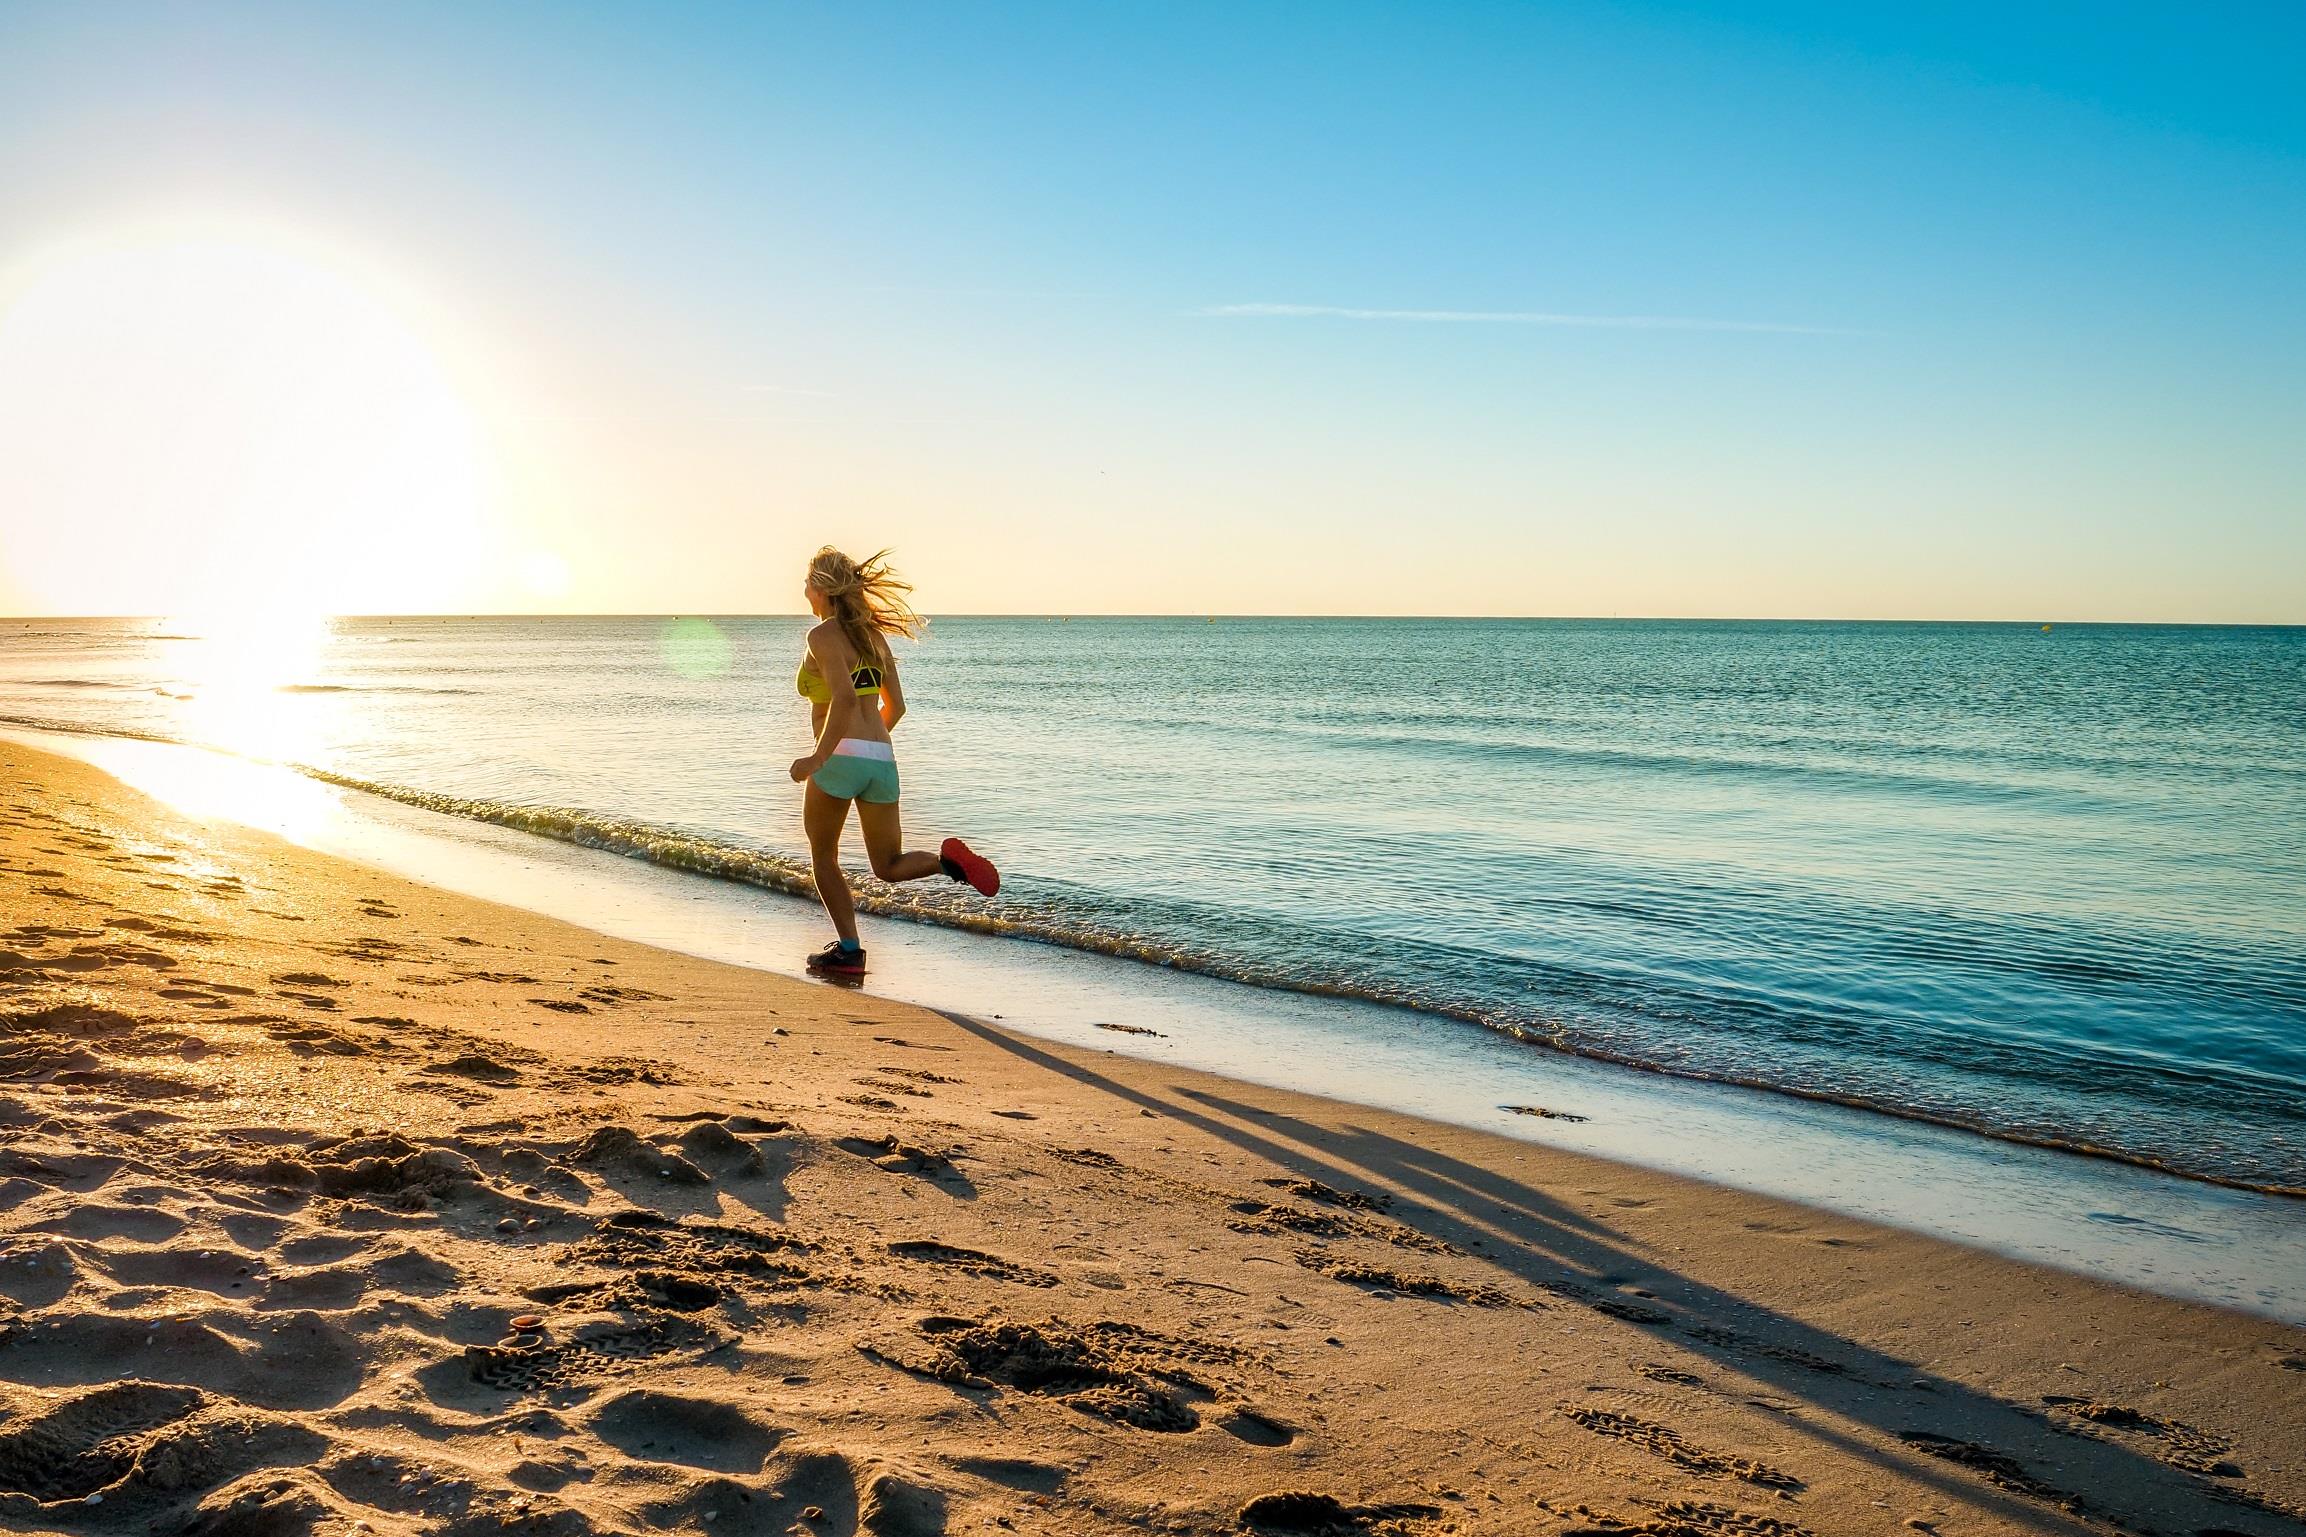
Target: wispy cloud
column 1512, row 318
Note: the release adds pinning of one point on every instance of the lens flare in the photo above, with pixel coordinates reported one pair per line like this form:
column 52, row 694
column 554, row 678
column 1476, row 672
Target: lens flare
column 694, row 648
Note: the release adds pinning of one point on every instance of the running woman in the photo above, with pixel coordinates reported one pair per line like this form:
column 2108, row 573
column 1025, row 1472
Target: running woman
column 849, row 678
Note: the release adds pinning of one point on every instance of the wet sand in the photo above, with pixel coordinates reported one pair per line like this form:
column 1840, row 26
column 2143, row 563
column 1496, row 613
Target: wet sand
column 334, row 1202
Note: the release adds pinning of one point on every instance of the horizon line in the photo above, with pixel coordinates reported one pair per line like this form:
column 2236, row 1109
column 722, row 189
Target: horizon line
column 1214, row 614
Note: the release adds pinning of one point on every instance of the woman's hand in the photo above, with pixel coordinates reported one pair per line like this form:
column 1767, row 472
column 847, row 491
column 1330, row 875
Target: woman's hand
column 803, row 768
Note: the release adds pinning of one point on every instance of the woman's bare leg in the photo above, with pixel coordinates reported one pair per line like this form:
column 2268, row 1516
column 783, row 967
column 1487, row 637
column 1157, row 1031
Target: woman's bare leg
column 885, row 844
column 822, row 816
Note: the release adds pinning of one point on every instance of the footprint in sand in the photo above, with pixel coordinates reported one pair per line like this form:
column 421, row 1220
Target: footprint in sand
column 37, row 1275
column 292, row 1360
column 694, row 1432
column 88, row 1442
column 713, row 1145
column 1112, row 1370
column 315, row 1248
column 677, row 1260
column 1330, row 1195
column 1297, row 1513
column 893, row 1086
column 827, row 1492
column 898, row 1157
column 321, row 1291
column 2176, row 1442
column 475, row 1066
column 1686, row 1518
column 2003, row 1472
column 104, row 957
column 734, row 1123
column 97, row 1220
column 1019, row 1473
column 306, row 1040
column 618, row 1149
column 1378, row 1279
column 1666, row 1442
column 1657, row 1371
column 624, row 1070
column 1265, row 1218
column 1628, row 1312
column 225, row 1272
column 385, row 1169
column 591, row 1352
column 916, row 1074
column 616, row 996
column 373, row 950
column 1731, row 1339
column 971, row 1262
column 414, row 1272
column 58, row 1168
column 154, row 929
column 1246, row 1424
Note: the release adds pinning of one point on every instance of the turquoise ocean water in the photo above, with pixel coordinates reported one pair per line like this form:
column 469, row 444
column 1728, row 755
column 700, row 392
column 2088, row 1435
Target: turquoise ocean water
column 2048, row 885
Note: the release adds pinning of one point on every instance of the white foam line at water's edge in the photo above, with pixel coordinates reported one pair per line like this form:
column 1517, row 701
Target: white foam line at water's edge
column 2170, row 1235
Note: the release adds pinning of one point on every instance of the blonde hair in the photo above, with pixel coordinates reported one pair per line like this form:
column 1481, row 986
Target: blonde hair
column 867, row 597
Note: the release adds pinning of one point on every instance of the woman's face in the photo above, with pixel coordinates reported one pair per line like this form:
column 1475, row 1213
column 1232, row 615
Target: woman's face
column 817, row 604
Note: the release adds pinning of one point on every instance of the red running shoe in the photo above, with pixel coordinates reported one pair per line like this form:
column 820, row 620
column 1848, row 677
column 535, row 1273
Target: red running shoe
column 966, row 865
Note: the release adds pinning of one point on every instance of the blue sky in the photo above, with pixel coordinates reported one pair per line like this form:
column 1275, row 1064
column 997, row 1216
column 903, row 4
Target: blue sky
column 1968, row 312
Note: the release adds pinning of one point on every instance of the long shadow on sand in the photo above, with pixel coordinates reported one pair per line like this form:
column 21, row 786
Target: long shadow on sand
column 1840, row 1389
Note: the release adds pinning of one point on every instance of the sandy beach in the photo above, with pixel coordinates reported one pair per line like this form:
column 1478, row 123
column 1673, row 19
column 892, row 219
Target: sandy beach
column 339, row 1203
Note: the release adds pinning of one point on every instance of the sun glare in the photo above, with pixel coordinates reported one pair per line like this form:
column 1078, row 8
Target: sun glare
column 233, row 419
column 236, row 670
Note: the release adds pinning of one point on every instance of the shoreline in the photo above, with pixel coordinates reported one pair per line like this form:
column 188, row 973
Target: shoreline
column 784, row 875
column 2114, row 1218
column 710, row 857
column 799, row 1249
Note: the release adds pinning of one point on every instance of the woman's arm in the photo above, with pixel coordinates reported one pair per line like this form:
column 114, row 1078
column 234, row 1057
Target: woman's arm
column 838, row 714
column 892, row 694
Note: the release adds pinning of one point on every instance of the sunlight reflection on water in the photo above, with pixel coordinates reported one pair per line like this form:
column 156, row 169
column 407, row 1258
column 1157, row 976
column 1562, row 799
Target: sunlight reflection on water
column 234, row 669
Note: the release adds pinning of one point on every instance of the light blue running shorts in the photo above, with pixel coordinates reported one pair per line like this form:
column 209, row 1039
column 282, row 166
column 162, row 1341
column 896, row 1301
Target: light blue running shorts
column 860, row 770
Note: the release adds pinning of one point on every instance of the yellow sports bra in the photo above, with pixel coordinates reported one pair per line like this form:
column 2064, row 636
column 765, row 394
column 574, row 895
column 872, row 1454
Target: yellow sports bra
column 865, row 677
